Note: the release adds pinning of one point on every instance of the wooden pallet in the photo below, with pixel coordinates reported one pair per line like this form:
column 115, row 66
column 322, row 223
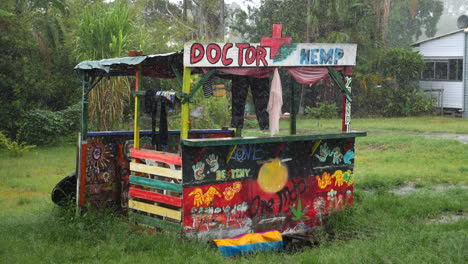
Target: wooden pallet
column 155, row 194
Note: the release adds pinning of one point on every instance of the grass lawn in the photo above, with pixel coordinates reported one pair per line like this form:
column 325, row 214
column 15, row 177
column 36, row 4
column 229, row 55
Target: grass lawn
column 411, row 206
column 416, row 124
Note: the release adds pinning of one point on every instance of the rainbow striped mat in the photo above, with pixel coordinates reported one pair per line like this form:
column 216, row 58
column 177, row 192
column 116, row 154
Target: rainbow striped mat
column 251, row 242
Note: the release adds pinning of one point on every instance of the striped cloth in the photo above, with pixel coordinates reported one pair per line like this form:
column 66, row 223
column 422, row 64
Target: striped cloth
column 251, row 242
column 208, row 87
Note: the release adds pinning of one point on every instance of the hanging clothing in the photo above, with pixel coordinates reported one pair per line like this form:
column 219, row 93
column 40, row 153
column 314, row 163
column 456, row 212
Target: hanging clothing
column 163, row 131
column 275, row 102
column 151, row 103
column 208, row 87
column 260, row 89
column 260, row 93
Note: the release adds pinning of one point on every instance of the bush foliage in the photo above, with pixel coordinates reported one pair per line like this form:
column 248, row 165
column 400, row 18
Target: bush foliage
column 13, row 147
column 41, row 127
column 323, row 110
column 391, row 88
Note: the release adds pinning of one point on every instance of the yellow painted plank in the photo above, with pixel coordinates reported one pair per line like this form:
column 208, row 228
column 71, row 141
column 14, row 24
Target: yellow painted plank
column 138, row 167
column 184, row 113
column 136, row 120
column 154, row 209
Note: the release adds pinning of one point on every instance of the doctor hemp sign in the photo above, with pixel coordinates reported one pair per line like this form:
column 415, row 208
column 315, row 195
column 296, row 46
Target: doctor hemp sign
column 256, row 55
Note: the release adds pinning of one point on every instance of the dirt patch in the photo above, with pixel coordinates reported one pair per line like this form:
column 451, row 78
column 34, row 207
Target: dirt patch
column 403, row 190
column 411, row 187
column 449, row 217
column 446, row 187
column 463, row 138
column 9, row 193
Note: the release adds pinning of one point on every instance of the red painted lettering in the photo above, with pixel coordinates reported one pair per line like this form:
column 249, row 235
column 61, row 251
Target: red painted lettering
column 225, row 60
column 209, row 53
column 261, row 54
column 241, row 47
column 250, row 55
column 196, row 53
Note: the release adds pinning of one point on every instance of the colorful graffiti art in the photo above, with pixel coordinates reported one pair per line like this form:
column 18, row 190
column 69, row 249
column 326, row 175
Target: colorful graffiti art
column 105, row 162
column 266, row 186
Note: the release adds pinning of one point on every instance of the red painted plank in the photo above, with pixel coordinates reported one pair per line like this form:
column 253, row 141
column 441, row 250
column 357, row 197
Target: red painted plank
column 157, row 197
column 157, row 156
column 82, row 181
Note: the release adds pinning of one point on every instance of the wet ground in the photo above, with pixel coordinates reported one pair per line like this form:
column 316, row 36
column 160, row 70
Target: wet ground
column 463, row 138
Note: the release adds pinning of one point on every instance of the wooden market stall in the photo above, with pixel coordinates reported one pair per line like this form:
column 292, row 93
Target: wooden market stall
column 215, row 183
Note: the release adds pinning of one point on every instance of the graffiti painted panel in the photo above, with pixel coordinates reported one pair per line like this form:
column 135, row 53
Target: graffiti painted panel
column 106, row 161
column 287, row 186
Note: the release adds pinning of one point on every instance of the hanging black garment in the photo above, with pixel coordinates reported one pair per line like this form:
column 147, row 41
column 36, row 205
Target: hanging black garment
column 260, row 89
column 163, row 131
column 151, row 107
column 240, row 88
column 149, row 102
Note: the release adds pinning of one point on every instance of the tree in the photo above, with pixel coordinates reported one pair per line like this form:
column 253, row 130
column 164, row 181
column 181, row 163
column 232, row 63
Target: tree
column 409, row 20
column 35, row 69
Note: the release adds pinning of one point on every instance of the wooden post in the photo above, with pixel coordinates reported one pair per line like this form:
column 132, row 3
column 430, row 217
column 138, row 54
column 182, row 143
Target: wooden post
column 185, row 105
column 343, row 114
column 136, row 121
column 85, row 80
column 346, row 103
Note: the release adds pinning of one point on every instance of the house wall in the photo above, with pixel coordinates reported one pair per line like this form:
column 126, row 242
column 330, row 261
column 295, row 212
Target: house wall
column 453, row 92
column 465, row 76
column 452, row 46
column 448, row 46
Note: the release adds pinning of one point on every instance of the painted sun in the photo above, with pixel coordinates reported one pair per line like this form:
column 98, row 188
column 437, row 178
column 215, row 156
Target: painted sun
column 272, row 176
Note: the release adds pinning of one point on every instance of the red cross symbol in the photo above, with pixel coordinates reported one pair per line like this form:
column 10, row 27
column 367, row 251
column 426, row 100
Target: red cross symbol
column 275, row 41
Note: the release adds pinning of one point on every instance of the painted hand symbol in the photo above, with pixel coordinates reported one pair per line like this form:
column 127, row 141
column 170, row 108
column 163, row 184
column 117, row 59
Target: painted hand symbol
column 198, row 170
column 197, row 197
column 212, row 160
column 323, row 153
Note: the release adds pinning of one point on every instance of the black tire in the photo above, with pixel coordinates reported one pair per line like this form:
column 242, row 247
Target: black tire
column 65, row 191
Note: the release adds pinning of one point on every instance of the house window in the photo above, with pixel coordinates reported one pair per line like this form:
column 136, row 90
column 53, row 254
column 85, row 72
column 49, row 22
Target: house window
column 443, row 70
column 460, row 70
column 428, row 73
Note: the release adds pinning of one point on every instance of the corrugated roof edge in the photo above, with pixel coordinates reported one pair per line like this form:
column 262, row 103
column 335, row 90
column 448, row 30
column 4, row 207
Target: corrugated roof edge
column 105, row 64
column 437, row 37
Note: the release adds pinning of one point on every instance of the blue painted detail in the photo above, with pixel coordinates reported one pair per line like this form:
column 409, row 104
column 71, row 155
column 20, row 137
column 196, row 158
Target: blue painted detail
column 348, row 156
column 339, row 53
column 321, row 56
column 305, row 56
column 148, row 132
column 326, row 57
column 231, row 251
column 247, row 152
column 313, row 56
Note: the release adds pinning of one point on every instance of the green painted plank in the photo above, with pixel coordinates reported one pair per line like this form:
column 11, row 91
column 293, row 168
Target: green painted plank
column 338, row 78
column 256, row 140
column 156, row 222
column 168, row 186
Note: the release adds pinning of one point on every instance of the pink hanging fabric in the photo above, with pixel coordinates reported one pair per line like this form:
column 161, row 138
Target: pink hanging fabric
column 275, row 102
column 308, row 75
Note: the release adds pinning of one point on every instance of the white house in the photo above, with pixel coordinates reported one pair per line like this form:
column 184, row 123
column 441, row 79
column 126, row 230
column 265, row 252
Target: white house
column 446, row 71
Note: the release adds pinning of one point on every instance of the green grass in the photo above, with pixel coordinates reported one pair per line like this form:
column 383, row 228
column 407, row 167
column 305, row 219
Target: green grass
column 381, row 227
column 416, row 124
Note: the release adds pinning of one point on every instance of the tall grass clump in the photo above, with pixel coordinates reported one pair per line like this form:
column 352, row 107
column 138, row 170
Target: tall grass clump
column 106, row 31
column 14, row 148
